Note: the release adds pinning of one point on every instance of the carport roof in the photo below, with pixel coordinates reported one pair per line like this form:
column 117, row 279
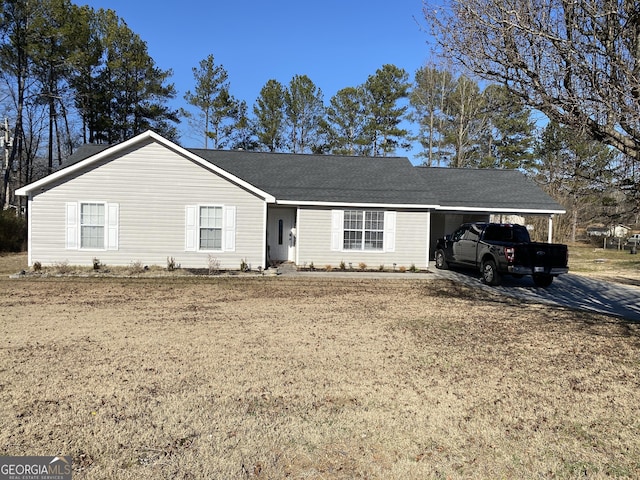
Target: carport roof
column 489, row 190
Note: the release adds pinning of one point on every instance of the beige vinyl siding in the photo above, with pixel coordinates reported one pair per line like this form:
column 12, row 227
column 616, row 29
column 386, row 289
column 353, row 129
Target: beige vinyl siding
column 152, row 186
column 314, row 241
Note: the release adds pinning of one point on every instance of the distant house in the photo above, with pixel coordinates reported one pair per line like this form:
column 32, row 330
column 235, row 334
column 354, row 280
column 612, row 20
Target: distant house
column 148, row 199
column 617, row 231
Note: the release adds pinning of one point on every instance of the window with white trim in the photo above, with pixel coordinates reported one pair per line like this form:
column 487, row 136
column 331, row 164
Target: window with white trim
column 368, row 230
column 92, row 225
column 210, row 228
column 363, row 230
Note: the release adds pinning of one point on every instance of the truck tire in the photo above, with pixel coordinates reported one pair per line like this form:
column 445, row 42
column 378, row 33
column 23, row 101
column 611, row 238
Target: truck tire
column 441, row 260
column 490, row 273
column 542, row 280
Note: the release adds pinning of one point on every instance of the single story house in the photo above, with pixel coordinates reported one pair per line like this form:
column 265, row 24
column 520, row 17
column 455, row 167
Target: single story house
column 618, row 231
column 148, row 199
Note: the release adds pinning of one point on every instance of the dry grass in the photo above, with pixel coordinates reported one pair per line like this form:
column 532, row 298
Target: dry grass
column 586, row 258
column 613, row 265
column 335, row 379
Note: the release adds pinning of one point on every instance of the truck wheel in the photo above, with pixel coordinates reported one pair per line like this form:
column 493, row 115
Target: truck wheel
column 490, row 273
column 542, row 281
column 441, row 262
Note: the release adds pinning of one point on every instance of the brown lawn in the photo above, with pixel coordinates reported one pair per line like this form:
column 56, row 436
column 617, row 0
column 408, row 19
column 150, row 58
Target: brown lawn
column 185, row 377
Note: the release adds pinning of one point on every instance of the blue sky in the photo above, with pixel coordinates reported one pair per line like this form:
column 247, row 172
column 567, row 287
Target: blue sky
column 336, row 43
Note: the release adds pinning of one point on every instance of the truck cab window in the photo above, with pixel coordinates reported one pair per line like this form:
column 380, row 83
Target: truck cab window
column 457, row 235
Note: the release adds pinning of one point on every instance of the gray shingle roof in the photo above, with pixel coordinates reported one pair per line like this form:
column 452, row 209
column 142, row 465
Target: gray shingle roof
column 371, row 180
column 84, row 151
column 326, row 178
column 485, row 188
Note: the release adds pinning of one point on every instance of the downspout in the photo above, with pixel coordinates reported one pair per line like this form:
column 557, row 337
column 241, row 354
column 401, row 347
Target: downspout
column 29, row 230
column 296, row 237
column 550, row 230
column 428, row 236
column 264, row 237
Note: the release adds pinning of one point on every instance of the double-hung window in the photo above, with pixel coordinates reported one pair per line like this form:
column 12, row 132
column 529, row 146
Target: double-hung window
column 363, row 230
column 210, row 228
column 92, row 225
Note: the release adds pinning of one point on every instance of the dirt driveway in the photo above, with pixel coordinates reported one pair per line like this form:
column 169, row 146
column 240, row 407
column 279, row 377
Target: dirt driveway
column 572, row 291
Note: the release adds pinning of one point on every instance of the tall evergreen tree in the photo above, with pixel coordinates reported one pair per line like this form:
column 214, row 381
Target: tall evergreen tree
column 224, row 119
column 91, row 96
column 508, row 139
column 346, row 122
column 465, row 120
column 383, row 92
column 243, row 134
column 137, row 87
column 432, row 87
column 58, row 38
column 269, row 116
column 211, row 98
column 304, row 113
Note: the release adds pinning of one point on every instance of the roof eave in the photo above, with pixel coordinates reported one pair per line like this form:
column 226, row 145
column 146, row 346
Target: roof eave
column 531, row 211
column 312, row 203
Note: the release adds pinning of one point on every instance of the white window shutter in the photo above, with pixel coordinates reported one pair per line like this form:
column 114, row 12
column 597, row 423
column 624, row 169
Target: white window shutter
column 337, row 229
column 71, row 226
column 191, row 228
column 389, row 239
column 113, row 221
column 229, row 228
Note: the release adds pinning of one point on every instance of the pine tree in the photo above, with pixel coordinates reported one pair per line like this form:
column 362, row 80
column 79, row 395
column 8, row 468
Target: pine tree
column 508, row 139
column 304, row 113
column 428, row 98
column 269, row 116
column 383, row 92
column 346, row 122
column 212, row 100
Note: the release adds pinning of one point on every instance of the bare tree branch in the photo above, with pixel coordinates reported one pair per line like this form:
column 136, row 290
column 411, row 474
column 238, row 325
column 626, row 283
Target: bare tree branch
column 577, row 61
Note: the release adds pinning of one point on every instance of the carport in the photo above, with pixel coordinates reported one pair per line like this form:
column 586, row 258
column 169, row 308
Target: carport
column 469, row 195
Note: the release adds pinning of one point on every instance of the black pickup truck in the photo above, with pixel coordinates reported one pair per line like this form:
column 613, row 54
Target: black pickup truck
column 496, row 249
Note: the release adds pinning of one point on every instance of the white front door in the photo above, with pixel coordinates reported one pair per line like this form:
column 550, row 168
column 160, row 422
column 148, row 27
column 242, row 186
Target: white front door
column 281, row 234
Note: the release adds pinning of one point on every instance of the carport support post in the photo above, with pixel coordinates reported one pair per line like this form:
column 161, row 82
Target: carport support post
column 550, row 232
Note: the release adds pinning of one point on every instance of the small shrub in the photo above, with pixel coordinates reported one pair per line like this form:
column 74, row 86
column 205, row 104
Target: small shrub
column 136, row 268
column 381, row 267
column 362, row 266
column 244, row 266
column 37, row 267
column 312, row 267
column 413, row 268
column 96, row 263
column 213, row 264
column 343, row 266
column 171, row 264
column 402, row 269
column 62, row 267
column 328, row 268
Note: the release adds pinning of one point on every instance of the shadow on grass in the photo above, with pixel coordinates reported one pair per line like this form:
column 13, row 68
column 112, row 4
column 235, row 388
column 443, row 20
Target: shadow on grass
column 571, row 291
